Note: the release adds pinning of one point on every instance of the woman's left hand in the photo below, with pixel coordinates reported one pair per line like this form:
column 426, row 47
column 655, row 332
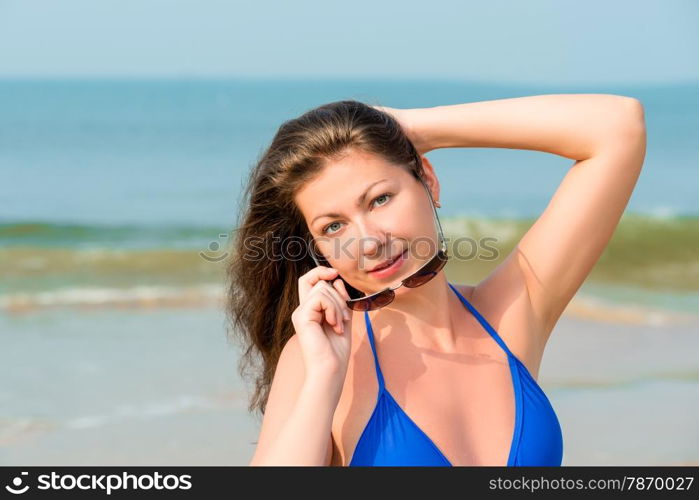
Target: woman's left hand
column 407, row 118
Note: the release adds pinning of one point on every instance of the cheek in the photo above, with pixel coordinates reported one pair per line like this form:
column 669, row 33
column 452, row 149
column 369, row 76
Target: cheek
column 339, row 254
column 407, row 220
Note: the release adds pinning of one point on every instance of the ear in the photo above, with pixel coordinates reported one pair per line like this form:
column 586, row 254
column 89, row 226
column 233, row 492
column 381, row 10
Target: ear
column 430, row 177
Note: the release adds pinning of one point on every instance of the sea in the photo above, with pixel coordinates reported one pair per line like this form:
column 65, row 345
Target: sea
column 121, row 194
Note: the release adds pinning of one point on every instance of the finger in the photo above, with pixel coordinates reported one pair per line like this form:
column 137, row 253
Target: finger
column 323, row 289
column 339, row 285
column 332, row 315
column 309, row 280
column 327, row 308
column 337, row 315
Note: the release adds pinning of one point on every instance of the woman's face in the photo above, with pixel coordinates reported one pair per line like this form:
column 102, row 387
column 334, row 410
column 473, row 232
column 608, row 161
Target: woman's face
column 362, row 211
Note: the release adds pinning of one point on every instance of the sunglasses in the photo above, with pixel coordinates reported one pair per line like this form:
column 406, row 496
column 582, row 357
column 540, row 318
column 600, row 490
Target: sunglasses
column 428, row 271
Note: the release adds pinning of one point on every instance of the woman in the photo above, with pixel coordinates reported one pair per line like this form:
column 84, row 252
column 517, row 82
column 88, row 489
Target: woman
column 429, row 373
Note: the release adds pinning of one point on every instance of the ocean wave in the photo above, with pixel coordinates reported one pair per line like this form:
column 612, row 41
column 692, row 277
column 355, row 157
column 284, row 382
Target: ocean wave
column 138, row 296
column 31, row 269
column 582, row 306
column 41, row 234
column 651, row 251
column 575, row 384
column 597, row 308
column 657, row 254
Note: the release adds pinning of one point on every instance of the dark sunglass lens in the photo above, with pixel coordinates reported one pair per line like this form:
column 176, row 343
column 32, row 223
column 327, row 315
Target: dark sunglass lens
column 382, row 299
column 359, row 305
column 428, row 271
column 372, row 302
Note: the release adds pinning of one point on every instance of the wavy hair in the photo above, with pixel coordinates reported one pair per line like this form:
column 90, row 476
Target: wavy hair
column 263, row 292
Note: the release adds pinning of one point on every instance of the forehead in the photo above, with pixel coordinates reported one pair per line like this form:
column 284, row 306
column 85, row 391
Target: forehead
column 343, row 180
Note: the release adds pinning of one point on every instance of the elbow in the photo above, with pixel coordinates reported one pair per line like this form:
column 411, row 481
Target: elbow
column 633, row 117
column 629, row 134
column 625, row 134
column 635, row 133
column 637, row 130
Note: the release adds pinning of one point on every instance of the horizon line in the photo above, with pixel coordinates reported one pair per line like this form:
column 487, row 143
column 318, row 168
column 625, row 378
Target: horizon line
column 87, row 77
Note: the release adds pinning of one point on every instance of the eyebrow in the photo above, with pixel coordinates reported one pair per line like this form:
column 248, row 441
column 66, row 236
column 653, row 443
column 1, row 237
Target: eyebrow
column 360, row 200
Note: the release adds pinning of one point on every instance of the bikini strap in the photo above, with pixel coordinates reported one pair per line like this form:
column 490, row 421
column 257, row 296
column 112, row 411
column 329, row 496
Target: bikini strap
column 370, row 333
column 482, row 321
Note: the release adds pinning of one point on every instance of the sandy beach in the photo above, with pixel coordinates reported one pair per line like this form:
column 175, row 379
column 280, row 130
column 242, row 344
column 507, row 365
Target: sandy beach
column 159, row 386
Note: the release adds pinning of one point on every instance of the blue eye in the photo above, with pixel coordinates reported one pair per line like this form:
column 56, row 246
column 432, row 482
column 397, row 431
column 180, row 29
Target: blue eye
column 379, row 197
column 325, row 229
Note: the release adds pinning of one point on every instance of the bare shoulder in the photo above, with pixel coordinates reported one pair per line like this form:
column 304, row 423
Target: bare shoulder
column 504, row 302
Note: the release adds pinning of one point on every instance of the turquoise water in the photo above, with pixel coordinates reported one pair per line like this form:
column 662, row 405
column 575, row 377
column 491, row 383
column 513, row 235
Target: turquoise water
column 112, row 171
column 177, row 152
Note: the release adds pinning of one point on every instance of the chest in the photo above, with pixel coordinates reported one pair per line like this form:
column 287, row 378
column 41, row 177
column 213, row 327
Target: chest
column 463, row 402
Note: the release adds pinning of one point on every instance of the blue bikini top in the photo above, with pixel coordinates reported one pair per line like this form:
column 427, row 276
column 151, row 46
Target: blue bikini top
column 391, row 438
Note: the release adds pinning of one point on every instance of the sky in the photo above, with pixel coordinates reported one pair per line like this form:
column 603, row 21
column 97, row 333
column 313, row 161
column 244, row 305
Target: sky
column 513, row 41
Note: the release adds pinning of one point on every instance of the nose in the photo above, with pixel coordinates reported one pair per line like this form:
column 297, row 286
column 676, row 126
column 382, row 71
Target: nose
column 373, row 242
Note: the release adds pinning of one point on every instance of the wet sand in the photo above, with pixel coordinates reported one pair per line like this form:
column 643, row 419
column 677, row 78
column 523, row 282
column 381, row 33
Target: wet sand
column 160, row 387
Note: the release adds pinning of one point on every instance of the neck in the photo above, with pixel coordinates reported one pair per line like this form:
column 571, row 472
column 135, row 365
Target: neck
column 427, row 309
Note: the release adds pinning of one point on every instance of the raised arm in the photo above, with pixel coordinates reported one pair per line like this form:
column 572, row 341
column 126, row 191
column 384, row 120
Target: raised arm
column 604, row 134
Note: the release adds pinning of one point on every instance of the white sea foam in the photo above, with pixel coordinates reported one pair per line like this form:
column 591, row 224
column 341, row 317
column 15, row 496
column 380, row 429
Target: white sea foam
column 102, row 296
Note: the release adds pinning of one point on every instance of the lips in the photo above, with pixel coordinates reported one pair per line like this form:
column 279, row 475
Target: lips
column 387, row 263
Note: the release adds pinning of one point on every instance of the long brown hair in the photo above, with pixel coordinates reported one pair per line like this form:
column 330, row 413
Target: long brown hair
column 262, row 286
